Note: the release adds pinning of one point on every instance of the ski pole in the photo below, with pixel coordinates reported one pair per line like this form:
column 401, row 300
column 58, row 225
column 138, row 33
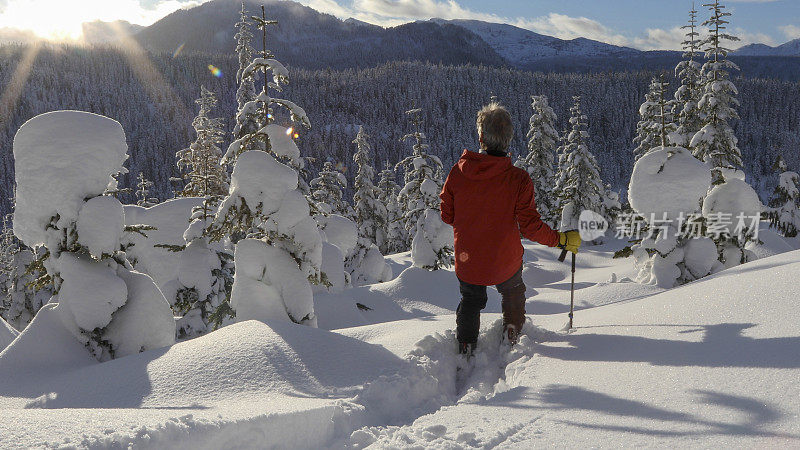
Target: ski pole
column 572, row 293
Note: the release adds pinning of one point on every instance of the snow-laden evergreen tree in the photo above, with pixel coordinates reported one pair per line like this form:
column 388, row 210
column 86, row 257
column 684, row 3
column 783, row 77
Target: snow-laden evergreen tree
column 540, row 160
column 262, row 108
column 422, row 177
column 715, row 143
column 783, row 209
column 143, row 187
column 579, row 184
column 370, row 217
column 395, row 233
column 205, row 176
column 205, row 272
column 656, row 119
column 687, row 96
column 282, row 255
column 431, row 239
column 327, row 191
column 246, row 120
column 110, row 308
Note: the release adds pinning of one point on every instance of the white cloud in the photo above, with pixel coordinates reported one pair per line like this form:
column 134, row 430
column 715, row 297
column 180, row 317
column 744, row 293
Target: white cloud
column 567, row 27
column 791, row 31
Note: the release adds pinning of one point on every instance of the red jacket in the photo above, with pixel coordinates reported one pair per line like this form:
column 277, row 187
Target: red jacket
column 489, row 202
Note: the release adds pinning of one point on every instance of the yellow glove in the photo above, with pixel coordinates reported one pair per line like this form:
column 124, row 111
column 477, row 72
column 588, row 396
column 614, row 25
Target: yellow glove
column 570, row 240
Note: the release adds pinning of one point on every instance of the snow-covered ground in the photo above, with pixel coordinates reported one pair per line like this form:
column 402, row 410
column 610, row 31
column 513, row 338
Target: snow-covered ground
column 714, row 363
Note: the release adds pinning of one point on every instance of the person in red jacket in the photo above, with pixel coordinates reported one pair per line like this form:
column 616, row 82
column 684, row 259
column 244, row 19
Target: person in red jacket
column 489, row 203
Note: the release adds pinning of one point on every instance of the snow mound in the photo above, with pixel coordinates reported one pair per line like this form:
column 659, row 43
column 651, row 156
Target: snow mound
column 46, row 148
column 669, row 180
column 339, row 231
column 7, row 334
column 170, row 220
column 100, row 224
column 90, row 307
column 727, row 201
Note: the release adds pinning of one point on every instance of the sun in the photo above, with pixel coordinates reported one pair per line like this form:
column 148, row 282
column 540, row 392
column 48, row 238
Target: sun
column 55, row 20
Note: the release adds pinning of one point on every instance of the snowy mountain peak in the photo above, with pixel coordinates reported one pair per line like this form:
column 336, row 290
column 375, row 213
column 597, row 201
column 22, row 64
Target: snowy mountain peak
column 523, row 47
column 791, row 48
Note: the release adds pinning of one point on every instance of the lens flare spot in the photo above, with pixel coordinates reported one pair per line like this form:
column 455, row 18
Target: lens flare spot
column 178, row 50
column 289, row 131
column 296, row 135
column 214, row 70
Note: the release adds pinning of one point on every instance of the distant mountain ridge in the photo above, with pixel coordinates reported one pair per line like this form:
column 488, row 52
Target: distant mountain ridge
column 791, row 48
column 312, row 39
column 523, row 47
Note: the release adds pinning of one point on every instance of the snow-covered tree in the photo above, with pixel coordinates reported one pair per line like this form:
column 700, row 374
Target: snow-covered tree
column 423, row 176
column 143, row 187
column 432, row 239
column 262, row 108
column 687, row 96
column 666, row 190
column 732, row 211
column 395, row 233
column 327, row 192
column 579, row 185
column 205, row 176
column 246, row 119
column 112, row 309
column 657, row 120
column 715, row 142
column 783, row 209
column 282, row 254
column 539, row 162
column 370, row 217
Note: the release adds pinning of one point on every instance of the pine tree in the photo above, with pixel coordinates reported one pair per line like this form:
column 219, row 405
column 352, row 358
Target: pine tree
column 246, row 120
column 715, row 143
column 327, row 191
column 369, row 212
column 579, row 184
column 423, row 177
column 283, row 253
column 542, row 142
column 665, row 124
column 783, row 209
column 263, row 109
column 395, row 233
column 648, row 133
column 205, row 176
column 143, row 187
column 432, row 239
column 688, row 94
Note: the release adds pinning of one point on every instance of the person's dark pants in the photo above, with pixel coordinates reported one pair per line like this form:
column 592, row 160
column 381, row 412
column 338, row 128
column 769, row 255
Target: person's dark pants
column 473, row 300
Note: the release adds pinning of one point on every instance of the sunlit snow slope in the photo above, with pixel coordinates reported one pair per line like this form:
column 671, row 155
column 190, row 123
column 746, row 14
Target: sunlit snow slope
column 712, row 364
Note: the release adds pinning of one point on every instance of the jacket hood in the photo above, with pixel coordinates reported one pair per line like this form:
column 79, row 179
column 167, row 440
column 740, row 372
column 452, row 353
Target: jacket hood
column 480, row 166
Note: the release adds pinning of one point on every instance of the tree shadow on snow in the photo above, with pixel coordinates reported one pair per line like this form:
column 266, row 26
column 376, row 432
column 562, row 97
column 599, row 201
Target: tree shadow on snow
column 758, row 413
column 723, row 345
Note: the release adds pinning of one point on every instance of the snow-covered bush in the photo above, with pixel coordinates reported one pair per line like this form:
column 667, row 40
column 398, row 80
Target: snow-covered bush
column 143, row 186
column 542, row 142
column 783, row 209
column 667, row 189
column 340, row 238
column 432, row 247
column 731, row 210
column 111, row 309
column 20, row 296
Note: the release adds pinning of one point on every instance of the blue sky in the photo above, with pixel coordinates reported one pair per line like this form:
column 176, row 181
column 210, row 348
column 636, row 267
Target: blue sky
column 644, row 24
